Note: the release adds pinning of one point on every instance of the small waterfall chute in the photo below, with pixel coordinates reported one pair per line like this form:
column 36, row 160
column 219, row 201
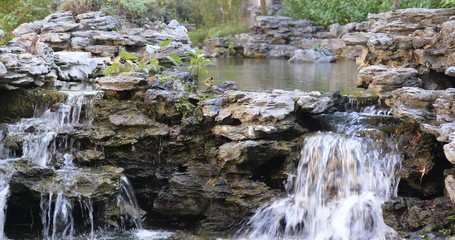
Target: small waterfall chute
column 336, row 192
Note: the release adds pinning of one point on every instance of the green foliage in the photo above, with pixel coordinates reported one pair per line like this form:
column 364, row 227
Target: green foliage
column 198, row 62
column 319, row 47
column 15, row 12
column 327, row 12
column 126, row 62
column 223, row 30
column 130, row 11
column 184, row 106
column 210, row 12
column 80, row 6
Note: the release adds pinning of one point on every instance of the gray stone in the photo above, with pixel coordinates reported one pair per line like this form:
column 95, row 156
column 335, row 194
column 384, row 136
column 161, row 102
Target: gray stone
column 450, row 71
column 450, row 187
column 28, row 28
column 310, row 55
column 125, row 81
column 381, row 79
column 281, row 51
column 75, row 66
column 449, row 151
column 130, row 119
column 99, row 21
column 3, row 70
column 60, row 27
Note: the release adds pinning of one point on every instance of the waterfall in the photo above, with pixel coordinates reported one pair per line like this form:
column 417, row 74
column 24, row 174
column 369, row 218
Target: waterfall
column 127, row 203
column 336, row 192
column 4, row 194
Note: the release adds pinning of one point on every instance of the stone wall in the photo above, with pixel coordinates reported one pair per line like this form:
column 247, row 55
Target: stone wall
column 71, row 47
column 409, row 60
column 279, row 37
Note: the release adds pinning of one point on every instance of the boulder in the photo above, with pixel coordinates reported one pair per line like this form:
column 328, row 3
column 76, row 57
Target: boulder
column 418, row 38
column 36, row 181
column 20, row 68
column 89, row 156
column 382, row 79
column 310, row 55
column 412, row 214
column 125, row 81
column 450, row 187
column 75, row 66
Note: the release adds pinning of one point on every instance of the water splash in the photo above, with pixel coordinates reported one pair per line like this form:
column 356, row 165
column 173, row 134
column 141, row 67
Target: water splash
column 336, row 192
column 4, row 195
column 39, row 132
column 127, row 203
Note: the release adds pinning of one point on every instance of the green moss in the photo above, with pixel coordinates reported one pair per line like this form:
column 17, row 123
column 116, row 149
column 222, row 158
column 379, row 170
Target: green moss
column 23, row 103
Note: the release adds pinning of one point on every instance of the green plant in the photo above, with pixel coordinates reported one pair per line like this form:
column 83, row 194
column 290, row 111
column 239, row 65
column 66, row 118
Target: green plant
column 184, row 106
column 126, row 62
column 80, row 6
column 327, row 12
column 319, row 47
column 198, row 62
column 14, row 12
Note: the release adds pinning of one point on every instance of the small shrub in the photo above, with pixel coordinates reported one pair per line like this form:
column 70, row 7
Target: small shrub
column 198, row 36
column 15, row 12
column 79, row 6
column 326, row 12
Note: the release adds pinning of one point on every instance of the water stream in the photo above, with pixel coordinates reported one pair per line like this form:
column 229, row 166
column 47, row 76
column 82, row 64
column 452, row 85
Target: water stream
column 40, row 146
column 336, row 192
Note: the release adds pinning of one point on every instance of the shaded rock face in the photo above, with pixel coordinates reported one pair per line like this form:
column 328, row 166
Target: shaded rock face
column 412, row 214
column 433, row 111
column 189, row 171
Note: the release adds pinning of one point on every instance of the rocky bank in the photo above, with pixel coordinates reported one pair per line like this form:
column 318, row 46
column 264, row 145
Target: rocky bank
column 208, row 160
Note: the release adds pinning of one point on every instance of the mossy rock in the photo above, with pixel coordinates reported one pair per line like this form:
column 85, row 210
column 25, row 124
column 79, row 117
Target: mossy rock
column 22, row 103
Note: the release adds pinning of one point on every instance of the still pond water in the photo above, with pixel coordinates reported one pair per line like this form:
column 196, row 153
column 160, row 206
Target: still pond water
column 267, row 74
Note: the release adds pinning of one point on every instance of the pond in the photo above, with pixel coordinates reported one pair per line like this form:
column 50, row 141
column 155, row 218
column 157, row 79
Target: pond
column 267, row 74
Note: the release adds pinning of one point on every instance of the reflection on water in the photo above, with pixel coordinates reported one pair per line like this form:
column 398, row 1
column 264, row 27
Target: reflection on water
column 266, row 74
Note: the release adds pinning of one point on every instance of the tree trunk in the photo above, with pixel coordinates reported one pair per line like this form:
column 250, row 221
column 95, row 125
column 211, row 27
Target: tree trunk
column 263, row 8
column 396, row 4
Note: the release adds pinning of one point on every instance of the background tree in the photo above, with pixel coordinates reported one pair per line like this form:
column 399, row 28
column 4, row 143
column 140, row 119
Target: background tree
column 263, row 8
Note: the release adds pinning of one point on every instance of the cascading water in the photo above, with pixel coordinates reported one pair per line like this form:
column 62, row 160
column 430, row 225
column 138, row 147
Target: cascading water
column 127, row 203
column 336, row 192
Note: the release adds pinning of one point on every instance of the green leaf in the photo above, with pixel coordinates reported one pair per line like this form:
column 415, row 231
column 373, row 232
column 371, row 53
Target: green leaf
column 175, row 59
column 127, row 56
column 164, row 44
column 111, row 69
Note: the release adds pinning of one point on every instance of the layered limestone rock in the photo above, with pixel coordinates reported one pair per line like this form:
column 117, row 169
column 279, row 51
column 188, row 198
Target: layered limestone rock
column 101, row 35
column 411, row 38
column 22, row 67
column 382, row 79
column 279, row 37
column 434, row 111
column 207, row 160
column 75, row 48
